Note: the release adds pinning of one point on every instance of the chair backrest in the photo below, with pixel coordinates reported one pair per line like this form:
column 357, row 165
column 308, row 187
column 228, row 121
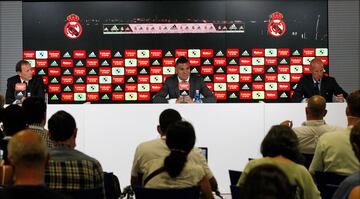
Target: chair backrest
column 84, row 193
column 234, row 176
column 112, row 186
column 328, row 182
column 307, row 159
column 147, row 193
column 235, row 192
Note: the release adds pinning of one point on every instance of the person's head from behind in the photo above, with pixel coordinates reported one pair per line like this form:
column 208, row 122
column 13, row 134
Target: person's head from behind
column 62, row 128
column 317, row 69
column 355, row 139
column 23, row 69
column 27, row 150
column 281, row 141
column 180, row 140
column 316, row 108
column 353, row 104
column 182, row 68
column 266, row 182
column 167, row 117
column 35, row 110
column 13, row 119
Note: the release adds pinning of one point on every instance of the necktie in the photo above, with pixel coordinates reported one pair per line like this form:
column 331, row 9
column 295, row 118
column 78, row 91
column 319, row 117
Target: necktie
column 316, row 88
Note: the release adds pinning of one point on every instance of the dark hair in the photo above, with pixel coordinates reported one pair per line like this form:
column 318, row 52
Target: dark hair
column 353, row 102
column 13, row 119
column 19, row 64
column 355, row 134
column 61, row 126
column 181, row 60
column 266, row 181
column 281, row 140
column 167, row 117
column 180, row 139
column 34, row 109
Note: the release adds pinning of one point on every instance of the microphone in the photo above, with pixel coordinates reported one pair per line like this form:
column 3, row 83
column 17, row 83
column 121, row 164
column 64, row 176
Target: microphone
column 20, row 91
column 184, row 88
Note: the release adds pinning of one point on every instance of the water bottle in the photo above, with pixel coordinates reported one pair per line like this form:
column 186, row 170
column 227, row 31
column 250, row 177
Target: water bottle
column 197, row 97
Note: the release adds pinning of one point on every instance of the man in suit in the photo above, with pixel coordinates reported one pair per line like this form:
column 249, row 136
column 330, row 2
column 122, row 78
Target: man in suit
column 34, row 84
column 318, row 84
column 188, row 85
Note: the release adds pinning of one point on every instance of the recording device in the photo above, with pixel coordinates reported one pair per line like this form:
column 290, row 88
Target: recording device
column 20, row 91
column 184, row 88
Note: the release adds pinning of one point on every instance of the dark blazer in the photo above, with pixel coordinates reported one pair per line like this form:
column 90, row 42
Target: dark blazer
column 171, row 88
column 305, row 88
column 36, row 87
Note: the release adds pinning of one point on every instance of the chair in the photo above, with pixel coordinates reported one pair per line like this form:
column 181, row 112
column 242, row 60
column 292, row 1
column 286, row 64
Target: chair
column 235, row 192
column 328, row 182
column 112, row 186
column 84, row 193
column 147, row 193
column 234, row 176
column 307, row 159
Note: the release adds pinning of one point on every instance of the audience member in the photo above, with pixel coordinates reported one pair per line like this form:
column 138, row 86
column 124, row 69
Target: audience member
column 266, row 181
column 70, row 169
column 28, row 154
column 13, row 119
column 318, row 84
column 280, row 148
column 333, row 152
column 314, row 126
column 352, row 181
column 157, row 148
column 34, row 84
column 35, row 114
column 174, row 171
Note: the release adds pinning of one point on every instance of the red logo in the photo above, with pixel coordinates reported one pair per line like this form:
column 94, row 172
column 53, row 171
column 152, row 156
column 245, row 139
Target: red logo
column 67, row 63
column 283, row 52
column 54, row 88
column 105, row 88
column 67, row 80
column 155, row 87
column 207, row 70
column 276, row 26
column 271, row 95
column 258, row 86
column 233, row 86
column 79, row 71
column 258, row 69
column 155, row 53
column 283, row 69
column 54, row 71
column 67, row 96
column 92, row 96
column 29, row 54
column 118, row 96
column 41, row 63
column 245, row 95
column 104, row 54
column 117, row 62
column 232, row 69
column 79, row 54
column 144, row 96
column 219, row 61
column 143, row 62
column 220, row 95
column 118, row 79
column 73, row 28
column 232, row 52
column 207, row 53
column 181, row 52
column 79, row 88
column 194, row 61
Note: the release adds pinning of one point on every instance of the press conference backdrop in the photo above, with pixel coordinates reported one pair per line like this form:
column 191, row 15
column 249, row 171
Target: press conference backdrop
column 343, row 40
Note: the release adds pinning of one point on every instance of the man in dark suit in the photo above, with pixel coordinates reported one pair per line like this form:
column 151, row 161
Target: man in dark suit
column 189, row 83
column 34, row 84
column 318, row 84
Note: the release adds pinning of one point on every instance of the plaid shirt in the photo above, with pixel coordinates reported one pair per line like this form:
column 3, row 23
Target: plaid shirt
column 69, row 169
column 39, row 129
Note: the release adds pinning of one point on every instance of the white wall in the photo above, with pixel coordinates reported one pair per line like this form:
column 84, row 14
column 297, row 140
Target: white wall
column 232, row 132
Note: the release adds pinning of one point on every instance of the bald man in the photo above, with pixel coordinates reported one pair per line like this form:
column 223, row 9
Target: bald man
column 29, row 155
column 314, row 126
column 318, row 84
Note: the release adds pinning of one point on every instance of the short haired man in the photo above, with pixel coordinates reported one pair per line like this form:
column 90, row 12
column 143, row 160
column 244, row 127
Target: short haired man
column 35, row 85
column 29, row 155
column 157, row 148
column 333, row 152
column 314, row 126
column 318, row 84
column 171, row 87
column 35, row 114
column 353, row 181
column 70, row 169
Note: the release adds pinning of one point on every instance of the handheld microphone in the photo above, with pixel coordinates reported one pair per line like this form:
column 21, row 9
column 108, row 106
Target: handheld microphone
column 20, row 91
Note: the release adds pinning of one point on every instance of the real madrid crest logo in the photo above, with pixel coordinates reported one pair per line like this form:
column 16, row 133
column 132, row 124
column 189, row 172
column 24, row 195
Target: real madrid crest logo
column 73, row 28
column 276, row 26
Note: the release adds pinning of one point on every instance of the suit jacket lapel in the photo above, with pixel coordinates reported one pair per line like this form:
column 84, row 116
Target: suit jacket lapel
column 177, row 91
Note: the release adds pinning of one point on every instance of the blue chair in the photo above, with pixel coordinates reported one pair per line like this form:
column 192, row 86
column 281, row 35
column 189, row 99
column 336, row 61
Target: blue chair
column 327, row 183
column 234, row 176
column 147, row 193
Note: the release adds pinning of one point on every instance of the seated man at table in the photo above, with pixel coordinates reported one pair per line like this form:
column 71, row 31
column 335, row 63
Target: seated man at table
column 318, row 84
column 182, row 86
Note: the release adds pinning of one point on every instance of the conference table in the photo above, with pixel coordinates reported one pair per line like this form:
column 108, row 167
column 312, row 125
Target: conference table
column 232, row 132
